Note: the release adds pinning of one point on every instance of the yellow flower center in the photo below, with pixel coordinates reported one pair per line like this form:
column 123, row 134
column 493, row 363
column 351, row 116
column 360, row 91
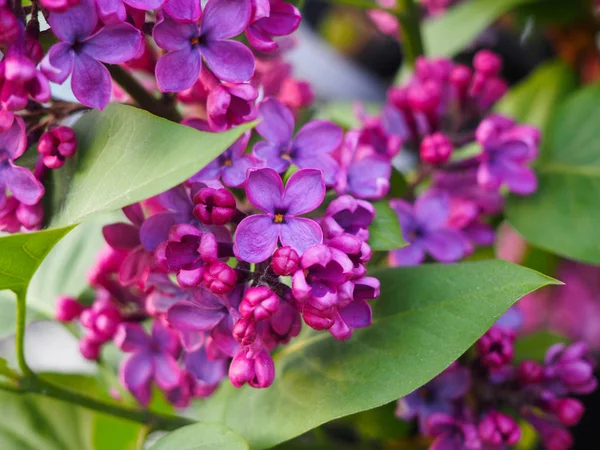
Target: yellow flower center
column 278, row 218
column 227, row 163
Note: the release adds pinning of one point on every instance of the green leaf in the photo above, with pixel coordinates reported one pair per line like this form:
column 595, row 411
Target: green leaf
column 534, row 346
column 126, row 155
column 563, row 215
column 21, row 255
column 425, row 318
column 384, row 232
column 534, row 100
column 460, row 26
column 344, row 114
column 201, row 436
column 34, row 423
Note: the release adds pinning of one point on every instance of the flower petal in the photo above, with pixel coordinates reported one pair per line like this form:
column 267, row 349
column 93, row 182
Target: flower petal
column 300, row 233
column 446, row 245
column 91, row 82
column 323, row 162
column 58, row 63
column 183, row 10
column 137, row 370
column 224, row 19
column 76, row 23
column 432, row 210
column 131, row 337
column 166, row 371
column 114, row 44
column 256, row 238
column 357, row 314
column 169, row 74
column 235, row 175
column 23, row 184
column 172, row 35
column 189, row 316
column 270, row 155
column 370, row 177
column 317, row 137
column 121, row 236
column 304, row 192
column 264, row 189
column 156, row 229
column 277, row 125
column 410, row 255
column 14, row 140
column 204, row 369
column 229, row 60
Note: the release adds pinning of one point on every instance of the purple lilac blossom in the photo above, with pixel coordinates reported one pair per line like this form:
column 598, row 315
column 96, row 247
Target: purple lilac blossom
column 83, row 49
column 271, row 18
column 256, row 236
column 187, row 44
column 311, row 148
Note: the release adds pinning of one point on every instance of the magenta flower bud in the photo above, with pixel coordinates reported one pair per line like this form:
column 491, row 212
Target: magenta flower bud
column 530, row 372
column 568, row 410
column 244, row 331
column 9, row 27
column 56, row 146
column 58, row 5
column 220, row 278
column 285, row 261
column 487, row 62
column 258, row 372
column 30, row 216
column 436, row 149
column 460, row 77
column 89, row 348
column 259, row 302
column 424, row 98
column 496, row 348
column 499, row 429
column 67, row 308
column 214, row 206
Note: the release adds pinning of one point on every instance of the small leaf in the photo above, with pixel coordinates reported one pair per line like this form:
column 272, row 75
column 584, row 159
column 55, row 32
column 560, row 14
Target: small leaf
column 385, row 233
column 460, row 26
column 201, row 436
column 425, row 318
column 563, row 215
column 5, row 370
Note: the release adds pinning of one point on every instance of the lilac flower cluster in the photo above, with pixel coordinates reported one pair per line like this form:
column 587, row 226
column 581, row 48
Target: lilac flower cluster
column 480, row 400
column 148, row 40
column 223, row 283
column 468, row 156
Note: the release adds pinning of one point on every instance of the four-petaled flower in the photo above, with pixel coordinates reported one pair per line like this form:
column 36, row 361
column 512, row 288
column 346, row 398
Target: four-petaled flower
column 257, row 235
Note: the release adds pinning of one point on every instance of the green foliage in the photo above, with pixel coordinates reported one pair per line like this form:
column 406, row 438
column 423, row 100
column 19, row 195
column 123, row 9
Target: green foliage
column 426, row 317
column 201, row 436
column 460, row 26
column 385, row 233
column 563, row 215
column 535, row 345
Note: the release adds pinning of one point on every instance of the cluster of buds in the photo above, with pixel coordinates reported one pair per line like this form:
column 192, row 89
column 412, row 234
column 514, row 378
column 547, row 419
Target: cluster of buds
column 479, row 401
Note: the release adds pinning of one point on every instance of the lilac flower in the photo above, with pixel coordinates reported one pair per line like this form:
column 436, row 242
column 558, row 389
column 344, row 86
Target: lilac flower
column 152, row 358
column 257, row 235
column 450, row 434
column 271, row 18
column 113, row 11
column 507, row 148
column 496, row 347
column 82, row 50
column 126, row 237
column 424, row 225
column 497, row 428
column 258, row 371
column 310, row 149
column 184, row 11
column 363, row 173
column 208, row 372
column 23, row 184
column 231, row 166
column 437, row 396
column 346, row 214
column 187, row 43
column 569, row 369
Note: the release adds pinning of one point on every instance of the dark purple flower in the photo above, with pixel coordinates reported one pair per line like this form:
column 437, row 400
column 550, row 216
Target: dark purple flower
column 231, row 166
column 437, row 396
column 271, row 18
column 569, row 369
column 553, row 436
column 507, row 148
column 82, row 51
column 496, row 347
column 113, row 11
column 450, row 434
column 257, row 235
column 424, row 225
column 363, row 172
column 187, row 44
column 346, row 214
column 310, row 149
column 152, row 358
column 21, row 182
column 208, row 372
column 214, row 206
